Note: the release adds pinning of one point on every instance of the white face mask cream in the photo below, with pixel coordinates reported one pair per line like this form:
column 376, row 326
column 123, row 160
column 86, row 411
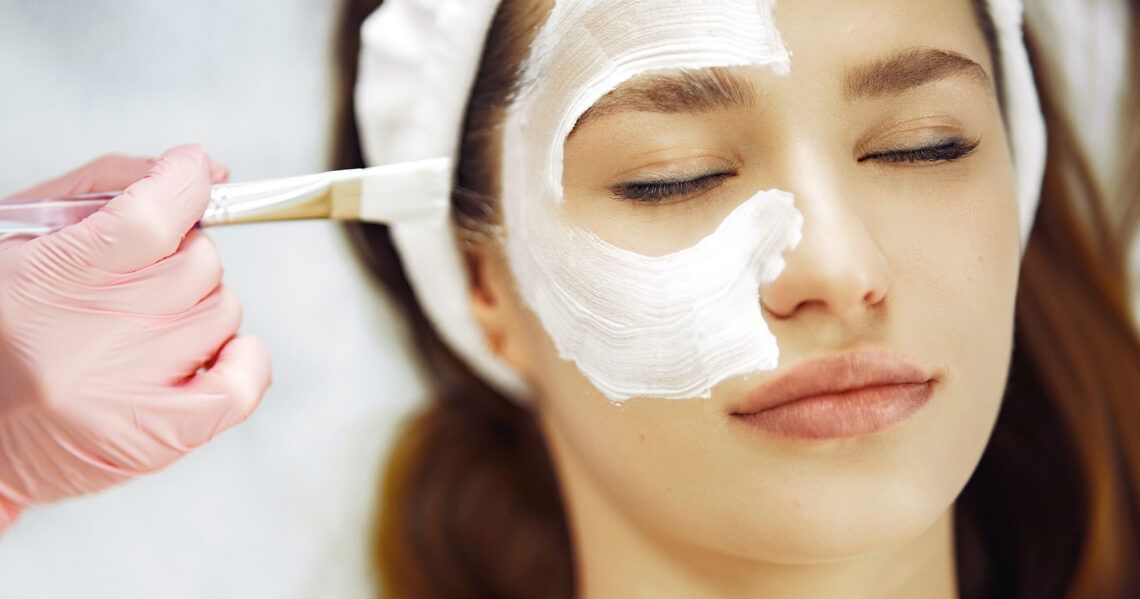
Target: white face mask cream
column 669, row 326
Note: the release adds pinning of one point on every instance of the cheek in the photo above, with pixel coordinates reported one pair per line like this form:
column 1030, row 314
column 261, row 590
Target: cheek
column 954, row 262
column 952, row 242
column 965, row 273
column 653, row 461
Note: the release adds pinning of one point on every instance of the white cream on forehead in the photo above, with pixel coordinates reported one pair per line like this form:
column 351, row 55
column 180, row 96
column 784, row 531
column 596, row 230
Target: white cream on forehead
column 669, row 326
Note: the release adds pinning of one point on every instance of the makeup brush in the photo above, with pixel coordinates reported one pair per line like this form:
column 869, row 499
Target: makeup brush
column 395, row 193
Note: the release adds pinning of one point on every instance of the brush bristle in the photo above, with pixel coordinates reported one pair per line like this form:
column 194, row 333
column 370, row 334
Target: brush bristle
column 406, row 192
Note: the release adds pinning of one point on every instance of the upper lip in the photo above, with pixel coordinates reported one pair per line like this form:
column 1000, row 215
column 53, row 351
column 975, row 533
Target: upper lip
column 834, row 374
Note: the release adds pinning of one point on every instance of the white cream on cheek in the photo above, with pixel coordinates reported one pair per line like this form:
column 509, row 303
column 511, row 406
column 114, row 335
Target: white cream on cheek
column 669, row 326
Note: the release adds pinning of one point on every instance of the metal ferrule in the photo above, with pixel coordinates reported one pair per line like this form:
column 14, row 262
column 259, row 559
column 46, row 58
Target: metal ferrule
column 334, row 194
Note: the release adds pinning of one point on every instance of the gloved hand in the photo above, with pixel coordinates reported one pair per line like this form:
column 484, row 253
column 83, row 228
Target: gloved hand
column 118, row 351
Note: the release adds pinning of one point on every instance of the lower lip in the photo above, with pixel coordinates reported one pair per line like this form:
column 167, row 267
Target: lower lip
column 847, row 414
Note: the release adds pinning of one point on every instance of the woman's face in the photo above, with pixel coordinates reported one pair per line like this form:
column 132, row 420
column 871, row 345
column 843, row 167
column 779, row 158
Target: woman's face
column 912, row 253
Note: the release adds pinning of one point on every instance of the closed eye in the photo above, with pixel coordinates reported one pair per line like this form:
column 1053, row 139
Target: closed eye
column 944, row 151
column 656, row 191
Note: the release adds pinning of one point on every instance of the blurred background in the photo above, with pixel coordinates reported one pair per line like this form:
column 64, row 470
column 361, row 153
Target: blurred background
column 281, row 506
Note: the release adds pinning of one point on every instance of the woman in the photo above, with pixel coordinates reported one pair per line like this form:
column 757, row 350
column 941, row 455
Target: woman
column 909, row 243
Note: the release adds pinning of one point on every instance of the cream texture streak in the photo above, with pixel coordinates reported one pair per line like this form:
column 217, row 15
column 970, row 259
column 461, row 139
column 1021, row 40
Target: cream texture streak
column 669, row 326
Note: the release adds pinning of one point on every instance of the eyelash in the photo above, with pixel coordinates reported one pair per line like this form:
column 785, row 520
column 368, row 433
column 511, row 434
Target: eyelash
column 944, row 151
column 654, row 191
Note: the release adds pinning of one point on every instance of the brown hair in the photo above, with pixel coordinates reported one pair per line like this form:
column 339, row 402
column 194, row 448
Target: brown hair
column 470, row 504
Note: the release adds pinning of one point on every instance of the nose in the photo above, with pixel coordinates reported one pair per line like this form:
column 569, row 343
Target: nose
column 837, row 267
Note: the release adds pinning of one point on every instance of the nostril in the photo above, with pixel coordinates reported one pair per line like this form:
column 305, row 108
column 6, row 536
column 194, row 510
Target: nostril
column 875, row 296
column 809, row 304
column 767, row 310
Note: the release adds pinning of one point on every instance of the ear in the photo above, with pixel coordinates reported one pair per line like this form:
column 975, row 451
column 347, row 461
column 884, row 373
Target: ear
column 497, row 307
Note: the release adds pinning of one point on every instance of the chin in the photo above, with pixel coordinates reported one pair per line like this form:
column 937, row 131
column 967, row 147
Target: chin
column 840, row 522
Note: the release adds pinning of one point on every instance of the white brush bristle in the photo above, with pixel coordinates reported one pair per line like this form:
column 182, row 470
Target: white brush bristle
column 406, row 192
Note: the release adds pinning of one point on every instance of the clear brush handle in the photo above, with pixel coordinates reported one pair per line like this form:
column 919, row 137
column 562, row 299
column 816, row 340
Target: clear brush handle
column 44, row 215
column 277, row 199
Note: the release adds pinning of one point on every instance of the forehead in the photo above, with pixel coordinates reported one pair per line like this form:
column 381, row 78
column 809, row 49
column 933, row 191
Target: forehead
column 887, row 49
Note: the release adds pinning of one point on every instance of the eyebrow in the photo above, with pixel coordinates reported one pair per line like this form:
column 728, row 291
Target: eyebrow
column 717, row 88
column 688, row 91
column 908, row 69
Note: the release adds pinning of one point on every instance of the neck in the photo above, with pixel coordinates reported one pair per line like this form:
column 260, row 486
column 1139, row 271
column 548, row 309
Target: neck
column 616, row 558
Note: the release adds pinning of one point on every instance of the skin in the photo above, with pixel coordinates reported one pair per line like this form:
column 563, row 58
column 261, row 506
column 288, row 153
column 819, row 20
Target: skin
column 677, row 498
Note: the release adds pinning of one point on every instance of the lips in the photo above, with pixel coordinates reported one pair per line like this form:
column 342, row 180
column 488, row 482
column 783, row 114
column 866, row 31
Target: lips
column 844, row 395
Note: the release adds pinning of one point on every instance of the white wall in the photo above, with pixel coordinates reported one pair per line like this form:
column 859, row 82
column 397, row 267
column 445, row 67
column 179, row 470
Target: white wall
column 279, row 506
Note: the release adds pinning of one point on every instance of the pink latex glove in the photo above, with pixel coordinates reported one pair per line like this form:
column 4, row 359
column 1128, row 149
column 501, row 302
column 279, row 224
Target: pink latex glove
column 107, row 328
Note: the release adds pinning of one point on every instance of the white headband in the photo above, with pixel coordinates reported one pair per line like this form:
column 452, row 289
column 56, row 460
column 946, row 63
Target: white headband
column 418, row 61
